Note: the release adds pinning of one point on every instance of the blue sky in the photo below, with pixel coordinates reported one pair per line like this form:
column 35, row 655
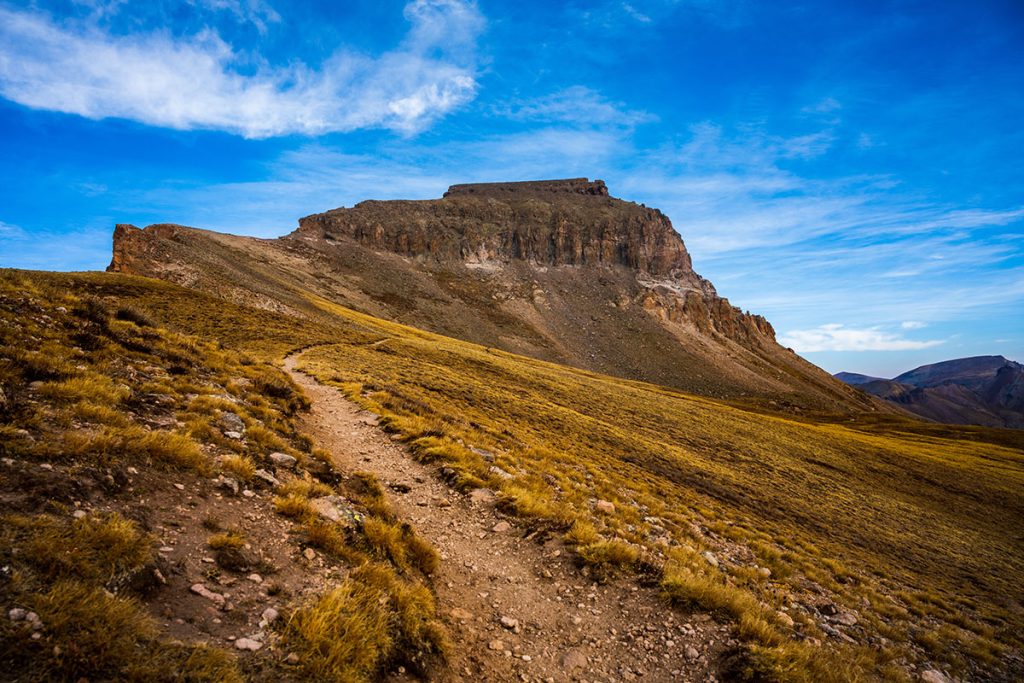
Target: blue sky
column 852, row 171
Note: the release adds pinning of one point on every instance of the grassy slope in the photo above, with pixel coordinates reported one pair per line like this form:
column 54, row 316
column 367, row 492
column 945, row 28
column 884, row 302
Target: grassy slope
column 915, row 532
column 925, row 529
column 91, row 386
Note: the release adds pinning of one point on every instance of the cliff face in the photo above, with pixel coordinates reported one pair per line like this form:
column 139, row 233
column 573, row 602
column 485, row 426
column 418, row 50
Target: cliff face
column 550, row 223
column 559, row 270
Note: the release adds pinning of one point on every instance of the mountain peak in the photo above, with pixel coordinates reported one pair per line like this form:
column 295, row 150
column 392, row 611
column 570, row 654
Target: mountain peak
column 571, row 222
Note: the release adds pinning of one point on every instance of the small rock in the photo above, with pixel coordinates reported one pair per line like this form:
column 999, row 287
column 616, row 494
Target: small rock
column 605, row 506
column 497, row 645
column 204, row 592
column 247, row 493
column 845, row 618
column 282, row 459
column 270, row 615
column 336, row 509
column 309, row 553
column 784, row 619
column 501, row 526
column 248, row 644
column 934, row 676
column 499, row 473
column 292, row 659
column 481, row 496
column 510, row 623
column 828, row 609
column 180, row 487
column 461, row 614
column 487, row 455
column 527, row 658
column 255, row 578
column 132, row 470
column 227, row 483
column 764, row 572
column 710, row 557
column 267, row 477
column 233, row 435
column 79, row 514
column 17, row 614
column 230, row 422
column 573, row 659
column 691, row 653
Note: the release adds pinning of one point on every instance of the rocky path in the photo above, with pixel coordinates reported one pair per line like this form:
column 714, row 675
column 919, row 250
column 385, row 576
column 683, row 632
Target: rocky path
column 518, row 609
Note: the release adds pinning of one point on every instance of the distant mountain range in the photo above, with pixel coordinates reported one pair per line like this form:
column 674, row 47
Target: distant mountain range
column 982, row 390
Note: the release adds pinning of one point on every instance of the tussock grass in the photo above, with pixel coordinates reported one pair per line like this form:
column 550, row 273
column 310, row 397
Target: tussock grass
column 239, row 466
column 813, row 501
column 225, row 540
column 92, row 634
column 136, row 445
column 374, row 618
column 98, row 548
column 295, row 506
column 400, row 544
column 613, row 554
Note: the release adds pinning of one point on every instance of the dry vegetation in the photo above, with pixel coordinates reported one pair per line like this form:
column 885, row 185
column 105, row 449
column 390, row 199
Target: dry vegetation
column 915, row 536
column 92, row 392
column 839, row 551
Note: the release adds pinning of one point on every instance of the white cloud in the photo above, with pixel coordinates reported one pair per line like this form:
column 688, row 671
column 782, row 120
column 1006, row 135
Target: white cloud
column 635, row 13
column 9, row 231
column 836, row 337
column 579, row 106
column 913, row 325
column 255, row 12
column 195, row 82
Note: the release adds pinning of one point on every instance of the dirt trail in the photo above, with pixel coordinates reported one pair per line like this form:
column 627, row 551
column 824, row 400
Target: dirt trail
column 565, row 628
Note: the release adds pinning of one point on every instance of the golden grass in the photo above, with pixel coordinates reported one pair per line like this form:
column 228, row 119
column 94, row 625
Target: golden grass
column 917, row 520
column 294, row 506
column 98, row 548
column 239, row 466
column 864, row 514
column 225, row 540
column 352, row 632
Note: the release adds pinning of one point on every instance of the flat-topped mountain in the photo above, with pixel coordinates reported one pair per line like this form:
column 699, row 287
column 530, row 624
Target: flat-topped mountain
column 982, row 390
column 558, row 270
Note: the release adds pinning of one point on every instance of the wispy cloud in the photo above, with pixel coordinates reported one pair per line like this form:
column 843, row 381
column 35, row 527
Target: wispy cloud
column 9, row 231
column 836, row 337
column 256, row 12
column 577, row 105
column 201, row 82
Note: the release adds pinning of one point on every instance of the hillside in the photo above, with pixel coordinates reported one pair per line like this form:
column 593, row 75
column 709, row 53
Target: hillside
column 983, row 390
column 782, row 529
column 556, row 270
column 160, row 506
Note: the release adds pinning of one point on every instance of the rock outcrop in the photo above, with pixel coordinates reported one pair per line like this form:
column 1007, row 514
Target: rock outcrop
column 549, row 223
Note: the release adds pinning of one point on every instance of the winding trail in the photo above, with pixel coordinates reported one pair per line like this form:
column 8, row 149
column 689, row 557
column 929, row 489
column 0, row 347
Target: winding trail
column 565, row 628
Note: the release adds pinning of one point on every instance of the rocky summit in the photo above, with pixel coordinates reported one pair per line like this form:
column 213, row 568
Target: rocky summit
column 559, row 270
